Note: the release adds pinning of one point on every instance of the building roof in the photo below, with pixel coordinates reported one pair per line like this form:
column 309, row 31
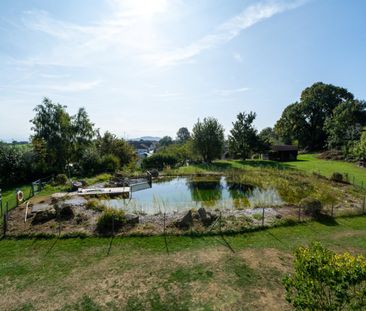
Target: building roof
column 284, row 148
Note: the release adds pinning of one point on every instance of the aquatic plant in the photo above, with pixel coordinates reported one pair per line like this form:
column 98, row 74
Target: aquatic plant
column 264, row 197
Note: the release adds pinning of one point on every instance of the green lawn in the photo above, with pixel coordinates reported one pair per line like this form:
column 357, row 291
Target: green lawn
column 138, row 274
column 310, row 163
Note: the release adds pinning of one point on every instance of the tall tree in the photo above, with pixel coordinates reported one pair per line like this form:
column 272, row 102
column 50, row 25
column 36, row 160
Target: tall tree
column 58, row 137
column 183, row 135
column 52, row 126
column 165, row 141
column 109, row 144
column 243, row 137
column 304, row 121
column 208, row 139
column 267, row 137
column 344, row 127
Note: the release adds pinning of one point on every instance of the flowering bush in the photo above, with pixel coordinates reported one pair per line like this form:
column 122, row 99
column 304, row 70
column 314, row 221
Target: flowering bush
column 324, row 280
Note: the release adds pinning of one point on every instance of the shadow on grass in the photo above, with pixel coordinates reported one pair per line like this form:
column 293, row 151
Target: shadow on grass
column 327, row 220
column 52, row 246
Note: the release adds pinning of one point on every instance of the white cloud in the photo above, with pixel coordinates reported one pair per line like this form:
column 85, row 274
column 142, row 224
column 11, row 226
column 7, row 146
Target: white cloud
column 69, row 87
column 226, row 31
column 132, row 32
column 238, row 57
column 231, row 91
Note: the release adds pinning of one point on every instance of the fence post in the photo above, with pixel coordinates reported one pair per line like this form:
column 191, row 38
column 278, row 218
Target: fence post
column 1, row 204
column 363, row 205
column 299, row 213
column 6, row 218
column 332, row 209
column 263, row 216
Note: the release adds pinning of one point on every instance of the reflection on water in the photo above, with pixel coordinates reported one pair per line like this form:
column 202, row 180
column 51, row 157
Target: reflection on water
column 182, row 193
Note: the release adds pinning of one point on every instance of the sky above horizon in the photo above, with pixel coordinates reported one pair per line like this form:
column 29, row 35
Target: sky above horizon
column 149, row 67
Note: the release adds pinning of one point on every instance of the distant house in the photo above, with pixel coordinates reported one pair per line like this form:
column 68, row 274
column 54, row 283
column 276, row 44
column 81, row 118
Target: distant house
column 283, row 153
column 144, row 148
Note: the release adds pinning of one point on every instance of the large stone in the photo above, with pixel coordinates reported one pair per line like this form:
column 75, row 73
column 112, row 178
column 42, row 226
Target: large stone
column 66, row 212
column 42, row 216
column 186, row 222
column 132, row 219
column 75, row 185
column 206, row 218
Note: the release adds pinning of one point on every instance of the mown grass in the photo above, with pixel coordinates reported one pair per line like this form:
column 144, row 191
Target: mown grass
column 311, row 163
column 39, row 270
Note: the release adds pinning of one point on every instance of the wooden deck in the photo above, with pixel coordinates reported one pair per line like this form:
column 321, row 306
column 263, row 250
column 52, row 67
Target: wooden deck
column 108, row 191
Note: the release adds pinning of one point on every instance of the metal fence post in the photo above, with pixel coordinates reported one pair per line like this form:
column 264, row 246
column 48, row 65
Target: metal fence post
column 263, row 217
column 332, row 209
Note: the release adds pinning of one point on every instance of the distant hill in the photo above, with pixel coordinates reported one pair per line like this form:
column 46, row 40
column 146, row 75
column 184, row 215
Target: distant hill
column 146, row 138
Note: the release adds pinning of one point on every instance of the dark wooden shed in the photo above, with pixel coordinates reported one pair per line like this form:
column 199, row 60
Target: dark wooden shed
column 283, row 153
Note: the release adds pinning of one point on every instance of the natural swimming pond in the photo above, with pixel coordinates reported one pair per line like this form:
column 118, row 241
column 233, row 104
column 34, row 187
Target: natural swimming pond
column 182, row 193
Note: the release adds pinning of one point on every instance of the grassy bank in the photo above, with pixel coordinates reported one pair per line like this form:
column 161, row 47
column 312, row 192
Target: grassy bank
column 139, row 274
column 310, row 163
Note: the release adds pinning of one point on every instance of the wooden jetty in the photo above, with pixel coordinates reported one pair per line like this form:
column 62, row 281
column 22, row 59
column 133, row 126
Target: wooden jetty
column 125, row 191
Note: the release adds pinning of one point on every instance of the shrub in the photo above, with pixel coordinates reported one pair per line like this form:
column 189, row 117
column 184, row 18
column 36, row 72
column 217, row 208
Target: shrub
column 324, row 280
column 337, row 177
column 111, row 220
column 311, row 206
column 95, row 205
column 159, row 161
column 110, row 163
column 60, row 179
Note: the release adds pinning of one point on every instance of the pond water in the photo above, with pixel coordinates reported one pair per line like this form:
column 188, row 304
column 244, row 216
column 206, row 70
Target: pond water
column 182, row 193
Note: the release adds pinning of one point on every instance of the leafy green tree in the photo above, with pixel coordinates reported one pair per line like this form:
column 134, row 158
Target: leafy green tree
column 267, row 137
column 208, row 139
column 345, row 125
column 304, row 121
column 109, row 144
column 243, row 137
column 83, row 131
column 52, row 126
column 324, row 280
column 359, row 150
column 183, row 135
column 292, row 126
column 58, row 137
column 165, row 141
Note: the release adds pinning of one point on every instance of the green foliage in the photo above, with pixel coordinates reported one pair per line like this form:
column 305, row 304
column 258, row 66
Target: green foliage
column 337, row 177
column 111, row 221
column 183, row 135
column 110, row 144
column 359, row 150
column 208, row 139
column 60, row 179
column 324, row 280
column 311, row 206
column 267, row 137
column 109, row 163
column 59, row 136
column 160, row 161
column 304, row 121
column 243, row 139
column 165, row 141
column 344, row 127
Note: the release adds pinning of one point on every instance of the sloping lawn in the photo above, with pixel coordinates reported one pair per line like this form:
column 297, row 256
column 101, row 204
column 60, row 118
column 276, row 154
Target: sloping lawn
column 137, row 273
column 310, row 163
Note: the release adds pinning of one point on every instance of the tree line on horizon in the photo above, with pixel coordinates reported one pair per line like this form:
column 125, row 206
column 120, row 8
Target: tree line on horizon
column 326, row 117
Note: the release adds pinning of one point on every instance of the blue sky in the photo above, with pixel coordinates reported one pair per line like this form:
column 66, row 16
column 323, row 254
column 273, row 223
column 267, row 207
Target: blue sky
column 148, row 67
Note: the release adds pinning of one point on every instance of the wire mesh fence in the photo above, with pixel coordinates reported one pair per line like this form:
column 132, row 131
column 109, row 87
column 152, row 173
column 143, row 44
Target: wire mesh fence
column 21, row 194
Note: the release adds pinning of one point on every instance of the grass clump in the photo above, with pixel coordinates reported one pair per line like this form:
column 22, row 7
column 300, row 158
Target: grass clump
column 110, row 221
column 311, row 206
column 96, row 205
